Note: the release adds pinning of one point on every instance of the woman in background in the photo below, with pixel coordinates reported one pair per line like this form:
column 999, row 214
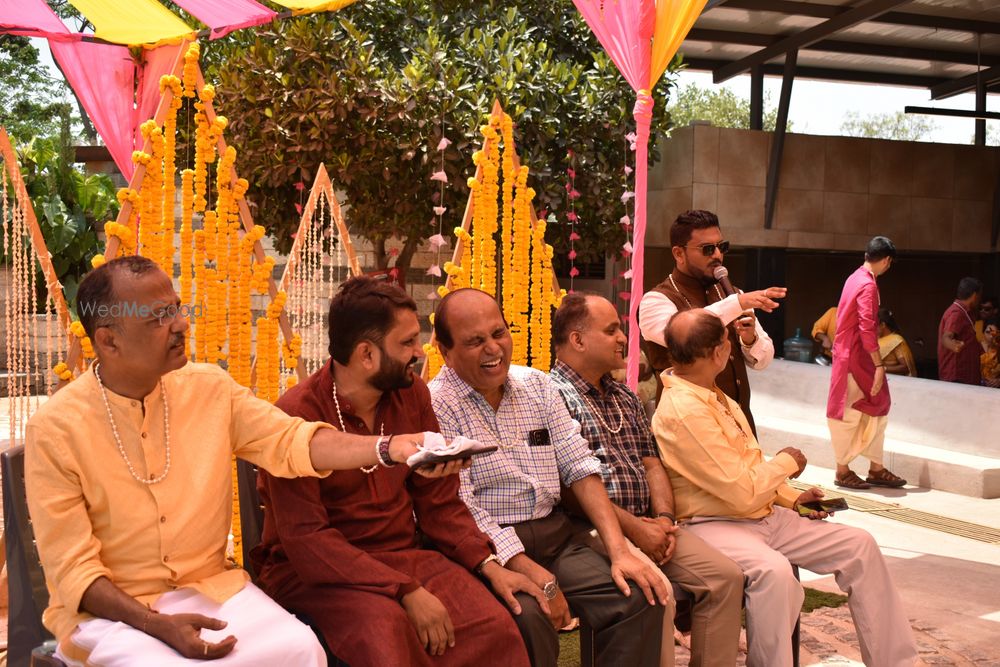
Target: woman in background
column 895, row 353
column 989, row 361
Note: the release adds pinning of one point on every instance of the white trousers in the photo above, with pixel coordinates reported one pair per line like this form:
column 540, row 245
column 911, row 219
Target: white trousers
column 764, row 547
column 857, row 434
column 266, row 635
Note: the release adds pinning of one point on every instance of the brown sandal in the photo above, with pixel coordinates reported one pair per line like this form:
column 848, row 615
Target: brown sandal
column 885, row 478
column 851, row 481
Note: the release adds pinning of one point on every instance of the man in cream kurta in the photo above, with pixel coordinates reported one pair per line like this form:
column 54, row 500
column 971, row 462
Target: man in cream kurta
column 128, row 475
column 727, row 494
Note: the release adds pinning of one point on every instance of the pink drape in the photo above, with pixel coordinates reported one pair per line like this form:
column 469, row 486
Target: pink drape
column 33, row 18
column 155, row 63
column 625, row 30
column 103, row 77
column 224, row 16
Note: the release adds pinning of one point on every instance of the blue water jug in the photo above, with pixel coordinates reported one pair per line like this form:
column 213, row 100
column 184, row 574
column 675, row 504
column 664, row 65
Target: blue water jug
column 798, row 347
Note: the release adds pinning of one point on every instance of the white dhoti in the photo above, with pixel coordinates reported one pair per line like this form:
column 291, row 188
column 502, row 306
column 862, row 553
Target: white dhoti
column 266, row 635
column 857, row 434
column 765, row 549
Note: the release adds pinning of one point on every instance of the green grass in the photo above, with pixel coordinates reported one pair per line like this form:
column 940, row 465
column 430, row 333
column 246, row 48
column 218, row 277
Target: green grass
column 569, row 642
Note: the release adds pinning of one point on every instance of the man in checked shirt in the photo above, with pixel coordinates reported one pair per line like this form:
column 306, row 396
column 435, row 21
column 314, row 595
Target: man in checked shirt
column 513, row 493
column 590, row 344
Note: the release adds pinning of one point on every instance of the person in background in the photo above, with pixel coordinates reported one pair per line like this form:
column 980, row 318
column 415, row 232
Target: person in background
column 895, row 353
column 989, row 361
column 987, row 311
column 824, row 331
column 857, row 407
column 958, row 349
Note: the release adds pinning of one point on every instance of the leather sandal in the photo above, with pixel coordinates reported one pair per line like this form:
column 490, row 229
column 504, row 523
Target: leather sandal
column 852, row 481
column 885, row 478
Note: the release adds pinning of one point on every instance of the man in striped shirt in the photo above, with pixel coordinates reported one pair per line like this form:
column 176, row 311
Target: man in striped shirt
column 514, row 493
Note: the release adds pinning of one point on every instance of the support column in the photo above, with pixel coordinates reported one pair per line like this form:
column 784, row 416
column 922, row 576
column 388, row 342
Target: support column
column 757, row 97
column 980, row 108
column 766, row 268
column 778, row 143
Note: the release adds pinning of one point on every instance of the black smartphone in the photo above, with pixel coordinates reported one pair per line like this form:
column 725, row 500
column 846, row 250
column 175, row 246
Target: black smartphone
column 434, row 459
column 831, row 505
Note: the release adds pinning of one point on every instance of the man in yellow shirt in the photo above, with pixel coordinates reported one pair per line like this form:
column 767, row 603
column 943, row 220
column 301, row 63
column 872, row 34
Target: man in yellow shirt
column 825, row 330
column 728, row 495
column 128, row 475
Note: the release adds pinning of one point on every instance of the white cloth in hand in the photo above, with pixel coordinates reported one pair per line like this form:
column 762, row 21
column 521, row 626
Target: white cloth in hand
column 435, row 445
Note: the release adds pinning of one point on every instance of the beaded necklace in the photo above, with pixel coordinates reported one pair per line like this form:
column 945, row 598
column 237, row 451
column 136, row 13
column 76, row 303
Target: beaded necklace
column 965, row 312
column 597, row 413
column 118, row 440
column 343, row 429
column 670, row 277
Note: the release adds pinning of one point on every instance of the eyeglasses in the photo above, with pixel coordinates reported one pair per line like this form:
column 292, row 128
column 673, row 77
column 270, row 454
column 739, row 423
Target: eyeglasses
column 708, row 249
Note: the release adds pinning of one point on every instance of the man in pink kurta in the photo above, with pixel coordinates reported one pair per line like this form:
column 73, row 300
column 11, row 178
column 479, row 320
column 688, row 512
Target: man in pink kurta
column 349, row 551
column 858, row 405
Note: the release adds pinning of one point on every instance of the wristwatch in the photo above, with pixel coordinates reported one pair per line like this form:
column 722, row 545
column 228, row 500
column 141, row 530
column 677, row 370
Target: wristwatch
column 550, row 589
column 492, row 558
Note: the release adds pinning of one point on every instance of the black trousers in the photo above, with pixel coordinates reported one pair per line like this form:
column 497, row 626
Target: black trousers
column 627, row 629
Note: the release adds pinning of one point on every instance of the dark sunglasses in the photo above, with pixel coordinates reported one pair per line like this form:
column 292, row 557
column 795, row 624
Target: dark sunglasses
column 708, row 249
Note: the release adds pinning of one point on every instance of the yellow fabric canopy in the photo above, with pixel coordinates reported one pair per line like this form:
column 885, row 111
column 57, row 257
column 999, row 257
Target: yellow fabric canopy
column 674, row 19
column 136, row 22
column 309, row 6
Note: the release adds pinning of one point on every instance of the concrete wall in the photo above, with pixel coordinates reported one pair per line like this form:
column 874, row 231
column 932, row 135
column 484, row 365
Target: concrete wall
column 835, row 192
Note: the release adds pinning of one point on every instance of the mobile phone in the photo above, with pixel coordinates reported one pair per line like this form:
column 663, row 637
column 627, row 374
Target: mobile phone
column 434, row 459
column 828, row 506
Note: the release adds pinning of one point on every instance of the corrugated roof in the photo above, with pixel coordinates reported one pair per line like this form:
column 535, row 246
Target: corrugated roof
column 937, row 44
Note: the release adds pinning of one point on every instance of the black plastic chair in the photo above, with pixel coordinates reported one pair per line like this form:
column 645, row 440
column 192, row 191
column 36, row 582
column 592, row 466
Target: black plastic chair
column 28, row 596
column 251, row 526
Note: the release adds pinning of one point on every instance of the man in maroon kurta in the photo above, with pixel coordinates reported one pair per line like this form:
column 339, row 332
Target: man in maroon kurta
column 858, row 403
column 346, row 551
column 958, row 349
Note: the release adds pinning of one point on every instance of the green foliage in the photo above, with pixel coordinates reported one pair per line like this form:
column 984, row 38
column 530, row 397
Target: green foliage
column 370, row 89
column 32, row 100
column 719, row 106
column 898, row 126
column 67, row 204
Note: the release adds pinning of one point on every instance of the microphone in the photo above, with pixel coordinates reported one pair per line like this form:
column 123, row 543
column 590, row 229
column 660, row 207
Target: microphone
column 721, row 274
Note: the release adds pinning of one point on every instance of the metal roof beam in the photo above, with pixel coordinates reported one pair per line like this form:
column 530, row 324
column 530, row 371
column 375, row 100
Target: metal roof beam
column 858, row 14
column 829, row 74
column 895, row 18
column 965, row 84
column 837, row 46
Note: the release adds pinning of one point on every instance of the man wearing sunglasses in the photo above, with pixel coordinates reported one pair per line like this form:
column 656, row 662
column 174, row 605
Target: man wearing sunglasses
column 698, row 248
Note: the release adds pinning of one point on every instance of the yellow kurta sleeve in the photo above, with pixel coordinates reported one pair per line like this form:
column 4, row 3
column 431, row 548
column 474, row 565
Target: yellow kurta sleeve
column 269, row 438
column 787, row 494
column 69, row 551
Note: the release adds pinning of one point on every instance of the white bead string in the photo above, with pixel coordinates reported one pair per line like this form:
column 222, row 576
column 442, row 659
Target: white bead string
column 118, row 440
column 343, row 429
column 597, row 413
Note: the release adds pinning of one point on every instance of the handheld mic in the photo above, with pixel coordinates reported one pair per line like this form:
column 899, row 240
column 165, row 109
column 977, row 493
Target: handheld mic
column 721, row 274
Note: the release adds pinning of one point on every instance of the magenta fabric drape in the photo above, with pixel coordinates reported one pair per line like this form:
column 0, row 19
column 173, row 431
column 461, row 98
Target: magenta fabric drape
column 224, row 16
column 625, row 30
column 103, row 77
column 33, row 18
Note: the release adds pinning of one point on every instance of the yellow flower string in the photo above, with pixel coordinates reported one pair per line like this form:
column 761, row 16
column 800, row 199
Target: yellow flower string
column 62, row 371
column 76, row 328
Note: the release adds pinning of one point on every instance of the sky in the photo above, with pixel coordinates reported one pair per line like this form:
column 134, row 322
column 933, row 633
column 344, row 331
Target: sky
column 819, row 107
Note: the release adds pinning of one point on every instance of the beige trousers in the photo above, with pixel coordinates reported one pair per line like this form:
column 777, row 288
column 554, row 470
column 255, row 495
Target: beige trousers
column 716, row 582
column 765, row 548
column 857, row 434
column 266, row 635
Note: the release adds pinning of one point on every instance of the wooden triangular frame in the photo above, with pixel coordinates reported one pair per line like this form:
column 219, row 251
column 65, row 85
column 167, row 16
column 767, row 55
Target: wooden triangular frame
column 496, row 112
column 52, row 284
column 322, row 187
column 135, row 183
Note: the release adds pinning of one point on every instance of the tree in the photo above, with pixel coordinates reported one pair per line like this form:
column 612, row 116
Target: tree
column 32, row 99
column 720, row 106
column 370, row 91
column 897, row 126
